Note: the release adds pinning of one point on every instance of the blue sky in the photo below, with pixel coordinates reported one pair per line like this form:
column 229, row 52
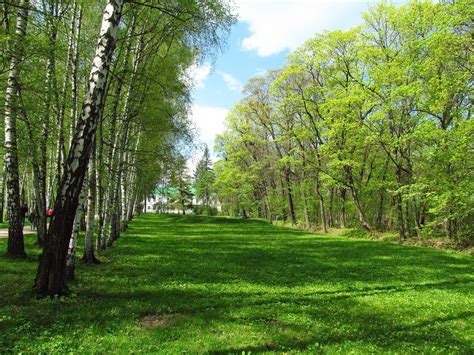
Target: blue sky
column 234, row 63
column 267, row 31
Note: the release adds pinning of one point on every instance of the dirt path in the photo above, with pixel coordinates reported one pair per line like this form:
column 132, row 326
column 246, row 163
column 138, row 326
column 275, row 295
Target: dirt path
column 4, row 232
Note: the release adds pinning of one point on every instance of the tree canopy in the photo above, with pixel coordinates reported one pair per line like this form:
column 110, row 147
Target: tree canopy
column 132, row 81
column 368, row 127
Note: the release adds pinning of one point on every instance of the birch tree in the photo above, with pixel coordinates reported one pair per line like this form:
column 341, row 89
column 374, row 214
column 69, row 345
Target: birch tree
column 15, row 231
column 50, row 278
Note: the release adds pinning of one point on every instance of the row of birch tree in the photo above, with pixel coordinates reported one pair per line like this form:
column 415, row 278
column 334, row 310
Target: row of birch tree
column 94, row 107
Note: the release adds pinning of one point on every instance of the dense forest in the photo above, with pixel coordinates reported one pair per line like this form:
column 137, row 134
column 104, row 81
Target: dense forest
column 369, row 128
column 93, row 118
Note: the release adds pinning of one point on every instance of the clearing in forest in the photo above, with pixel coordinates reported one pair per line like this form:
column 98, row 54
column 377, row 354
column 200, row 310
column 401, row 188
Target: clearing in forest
column 191, row 283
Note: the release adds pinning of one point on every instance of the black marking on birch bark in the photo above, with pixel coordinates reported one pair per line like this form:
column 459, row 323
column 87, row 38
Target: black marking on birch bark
column 50, row 277
column 15, row 245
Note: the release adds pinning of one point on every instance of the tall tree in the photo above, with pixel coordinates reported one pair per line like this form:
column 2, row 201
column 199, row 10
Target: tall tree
column 15, row 229
column 362, row 128
column 50, row 278
column 204, row 179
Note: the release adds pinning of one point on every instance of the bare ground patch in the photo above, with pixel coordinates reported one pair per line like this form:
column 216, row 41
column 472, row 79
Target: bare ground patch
column 153, row 320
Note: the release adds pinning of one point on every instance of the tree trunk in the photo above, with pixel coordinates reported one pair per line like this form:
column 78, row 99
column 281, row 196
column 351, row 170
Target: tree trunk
column 399, row 202
column 51, row 97
column 331, row 208
column 16, row 245
column 343, row 217
column 89, row 256
column 129, row 183
column 360, row 211
column 291, row 204
column 355, row 197
column 268, row 206
column 5, row 21
column 39, row 206
column 401, row 222
column 71, row 253
column 379, row 219
column 284, row 214
column 2, row 196
column 62, row 110
column 40, row 202
column 74, row 71
column 100, row 189
column 322, row 210
column 408, row 229
column 124, row 193
column 115, row 227
column 116, row 192
column 305, row 207
column 50, row 278
column 108, row 198
column 380, row 210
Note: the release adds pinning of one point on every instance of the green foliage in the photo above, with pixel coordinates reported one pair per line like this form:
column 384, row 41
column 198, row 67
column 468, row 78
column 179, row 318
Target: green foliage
column 180, row 196
column 203, row 210
column 147, row 103
column 204, row 178
column 369, row 127
column 200, row 284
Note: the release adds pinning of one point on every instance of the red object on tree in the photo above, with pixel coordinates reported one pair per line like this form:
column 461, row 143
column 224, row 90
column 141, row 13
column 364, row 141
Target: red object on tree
column 50, row 213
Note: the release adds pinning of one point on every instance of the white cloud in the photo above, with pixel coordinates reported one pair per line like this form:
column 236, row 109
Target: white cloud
column 232, row 82
column 277, row 25
column 197, row 74
column 210, row 121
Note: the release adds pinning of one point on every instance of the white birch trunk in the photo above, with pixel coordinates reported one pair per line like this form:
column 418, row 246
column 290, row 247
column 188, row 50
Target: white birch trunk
column 50, row 278
column 15, row 232
column 91, row 200
column 62, row 110
column 124, row 138
column 113, row 138
column 71, row 253
column 74, row 70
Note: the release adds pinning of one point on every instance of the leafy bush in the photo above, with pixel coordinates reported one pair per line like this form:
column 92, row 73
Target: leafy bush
column 357, row 233
column 202, row 210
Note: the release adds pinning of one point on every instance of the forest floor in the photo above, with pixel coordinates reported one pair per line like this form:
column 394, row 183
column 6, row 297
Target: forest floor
column 185, row 283
column 464, row 245
column 4, row 231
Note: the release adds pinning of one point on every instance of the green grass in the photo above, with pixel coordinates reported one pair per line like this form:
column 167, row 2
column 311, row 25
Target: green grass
column 4, row 225
column 183, row 283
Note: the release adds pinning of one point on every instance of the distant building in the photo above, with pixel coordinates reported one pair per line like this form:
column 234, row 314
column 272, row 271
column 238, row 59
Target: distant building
column 162, row 200
column 159, row 201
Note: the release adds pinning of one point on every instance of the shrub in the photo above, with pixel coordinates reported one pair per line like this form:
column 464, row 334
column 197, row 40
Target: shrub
column 202, row 210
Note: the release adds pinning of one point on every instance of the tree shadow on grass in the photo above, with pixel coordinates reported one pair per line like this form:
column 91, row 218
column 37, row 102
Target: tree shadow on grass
column 290, row 289
column 365, row 333
column 286, row 261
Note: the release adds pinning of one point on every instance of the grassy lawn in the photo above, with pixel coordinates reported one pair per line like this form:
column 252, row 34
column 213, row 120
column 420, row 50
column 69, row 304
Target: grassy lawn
column 188, row 283
column 4, row 225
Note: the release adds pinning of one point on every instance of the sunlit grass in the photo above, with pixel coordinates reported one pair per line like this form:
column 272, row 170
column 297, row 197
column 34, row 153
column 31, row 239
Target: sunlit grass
column 190, row 283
